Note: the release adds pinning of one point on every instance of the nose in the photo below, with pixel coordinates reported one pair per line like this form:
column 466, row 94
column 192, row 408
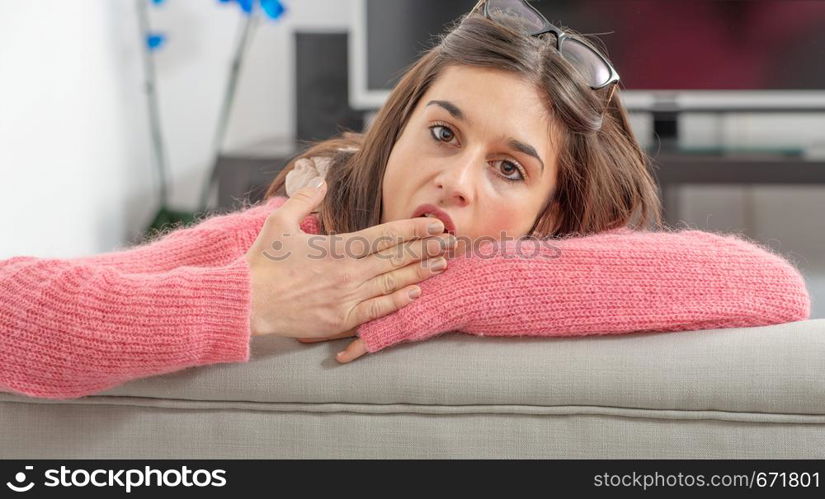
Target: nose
column 457, row 179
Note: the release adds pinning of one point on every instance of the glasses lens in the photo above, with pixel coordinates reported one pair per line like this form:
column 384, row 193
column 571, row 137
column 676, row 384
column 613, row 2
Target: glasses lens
column 590, row 65
column 514, row 12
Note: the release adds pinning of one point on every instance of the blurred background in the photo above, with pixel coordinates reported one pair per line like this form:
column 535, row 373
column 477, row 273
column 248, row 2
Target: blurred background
column 728, row 97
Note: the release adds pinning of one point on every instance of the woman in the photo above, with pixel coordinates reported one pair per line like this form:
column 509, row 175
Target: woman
column 584, row 173
column 522, row 156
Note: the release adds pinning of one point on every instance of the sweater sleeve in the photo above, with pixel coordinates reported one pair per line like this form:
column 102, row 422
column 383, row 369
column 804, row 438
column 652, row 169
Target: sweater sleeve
column 214, row 241
column 607, row 283
column 72, row 327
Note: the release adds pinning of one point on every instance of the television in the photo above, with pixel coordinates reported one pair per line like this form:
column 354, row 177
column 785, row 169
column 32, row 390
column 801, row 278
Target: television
column 699, row 55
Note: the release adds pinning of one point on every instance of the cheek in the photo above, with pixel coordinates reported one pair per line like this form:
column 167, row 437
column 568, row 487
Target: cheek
column 392, row 190
column 498, row 221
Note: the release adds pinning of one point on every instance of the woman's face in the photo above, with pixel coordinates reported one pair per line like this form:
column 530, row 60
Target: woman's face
column 478, row 146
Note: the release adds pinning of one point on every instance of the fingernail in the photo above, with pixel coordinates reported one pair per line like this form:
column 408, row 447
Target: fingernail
column 316, row 183
column 436, row 227
column 415, row 293
column 439, row 263
column 339, row 354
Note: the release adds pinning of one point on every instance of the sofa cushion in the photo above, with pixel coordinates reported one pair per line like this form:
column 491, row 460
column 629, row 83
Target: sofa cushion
column 770, row 375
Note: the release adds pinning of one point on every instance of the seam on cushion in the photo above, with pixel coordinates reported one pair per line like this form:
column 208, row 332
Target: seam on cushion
column 444, row 410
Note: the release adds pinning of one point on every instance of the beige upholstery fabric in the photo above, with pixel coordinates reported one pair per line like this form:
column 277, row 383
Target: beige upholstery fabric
column 726, row 393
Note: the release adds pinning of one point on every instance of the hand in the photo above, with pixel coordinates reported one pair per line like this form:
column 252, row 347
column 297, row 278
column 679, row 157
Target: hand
column 355, row 349
column 317, row 286
column 305, row 170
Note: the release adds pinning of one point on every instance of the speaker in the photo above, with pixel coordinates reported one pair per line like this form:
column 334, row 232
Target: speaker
column 321, row 86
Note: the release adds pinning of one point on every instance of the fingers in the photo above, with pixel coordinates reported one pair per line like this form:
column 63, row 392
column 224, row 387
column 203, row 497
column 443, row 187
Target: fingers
column 354, row 350
column 346, row 334
column 386, row 235
column 401, row 256
column 413, row 273
column 299, row 205
column 383, row 305
column 388, row 292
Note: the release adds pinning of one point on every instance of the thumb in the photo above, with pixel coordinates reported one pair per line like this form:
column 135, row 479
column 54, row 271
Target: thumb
column 303, row 202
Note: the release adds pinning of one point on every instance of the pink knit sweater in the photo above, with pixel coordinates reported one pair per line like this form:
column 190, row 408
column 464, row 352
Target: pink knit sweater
column 73, row 327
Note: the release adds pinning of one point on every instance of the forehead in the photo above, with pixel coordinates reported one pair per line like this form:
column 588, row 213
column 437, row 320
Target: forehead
column 494, row 102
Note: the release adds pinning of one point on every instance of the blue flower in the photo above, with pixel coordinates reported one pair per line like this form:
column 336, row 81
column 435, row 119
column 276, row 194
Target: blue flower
column 155, row 41
column 246, row 5
column 274, row 9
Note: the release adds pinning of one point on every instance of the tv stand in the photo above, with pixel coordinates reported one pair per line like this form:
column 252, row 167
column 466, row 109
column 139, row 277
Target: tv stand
column 673, row 169
column 675, row 166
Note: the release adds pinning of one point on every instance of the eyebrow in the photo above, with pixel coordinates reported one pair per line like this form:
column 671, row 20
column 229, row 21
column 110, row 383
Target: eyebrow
column 518, row 145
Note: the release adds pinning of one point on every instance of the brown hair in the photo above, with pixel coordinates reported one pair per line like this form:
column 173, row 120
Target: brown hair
column 603, row 179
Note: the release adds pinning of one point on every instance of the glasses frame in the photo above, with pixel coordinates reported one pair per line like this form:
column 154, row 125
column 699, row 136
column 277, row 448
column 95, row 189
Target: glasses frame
column 561, row 37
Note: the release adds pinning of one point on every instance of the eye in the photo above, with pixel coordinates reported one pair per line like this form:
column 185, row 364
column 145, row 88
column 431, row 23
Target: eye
column 512, row 168
column 440, row 131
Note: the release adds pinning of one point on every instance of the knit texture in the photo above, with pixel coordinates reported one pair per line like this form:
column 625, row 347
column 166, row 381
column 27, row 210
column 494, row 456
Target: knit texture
column 613, row 282
column 73, row 327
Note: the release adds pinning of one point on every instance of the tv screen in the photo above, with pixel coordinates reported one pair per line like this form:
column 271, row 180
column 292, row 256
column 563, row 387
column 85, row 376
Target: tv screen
column 655, row 45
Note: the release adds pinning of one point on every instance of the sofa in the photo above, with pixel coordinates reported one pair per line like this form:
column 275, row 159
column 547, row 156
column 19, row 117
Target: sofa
column 726, row 393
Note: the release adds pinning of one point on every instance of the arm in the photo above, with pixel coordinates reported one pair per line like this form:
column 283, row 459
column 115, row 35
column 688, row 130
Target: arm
column 69, row 329
column 214, row 241
column 607, row 283
column 72, row 327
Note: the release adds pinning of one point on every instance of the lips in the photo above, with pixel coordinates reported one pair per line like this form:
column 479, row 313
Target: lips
column 449, row 226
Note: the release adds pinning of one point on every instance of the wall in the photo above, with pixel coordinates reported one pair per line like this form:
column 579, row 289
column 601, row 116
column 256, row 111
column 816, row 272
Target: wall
column 75, row 157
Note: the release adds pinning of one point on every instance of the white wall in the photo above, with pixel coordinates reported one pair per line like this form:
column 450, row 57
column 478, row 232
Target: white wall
column 75, row 158
column 76, row 175
column 72, row 157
